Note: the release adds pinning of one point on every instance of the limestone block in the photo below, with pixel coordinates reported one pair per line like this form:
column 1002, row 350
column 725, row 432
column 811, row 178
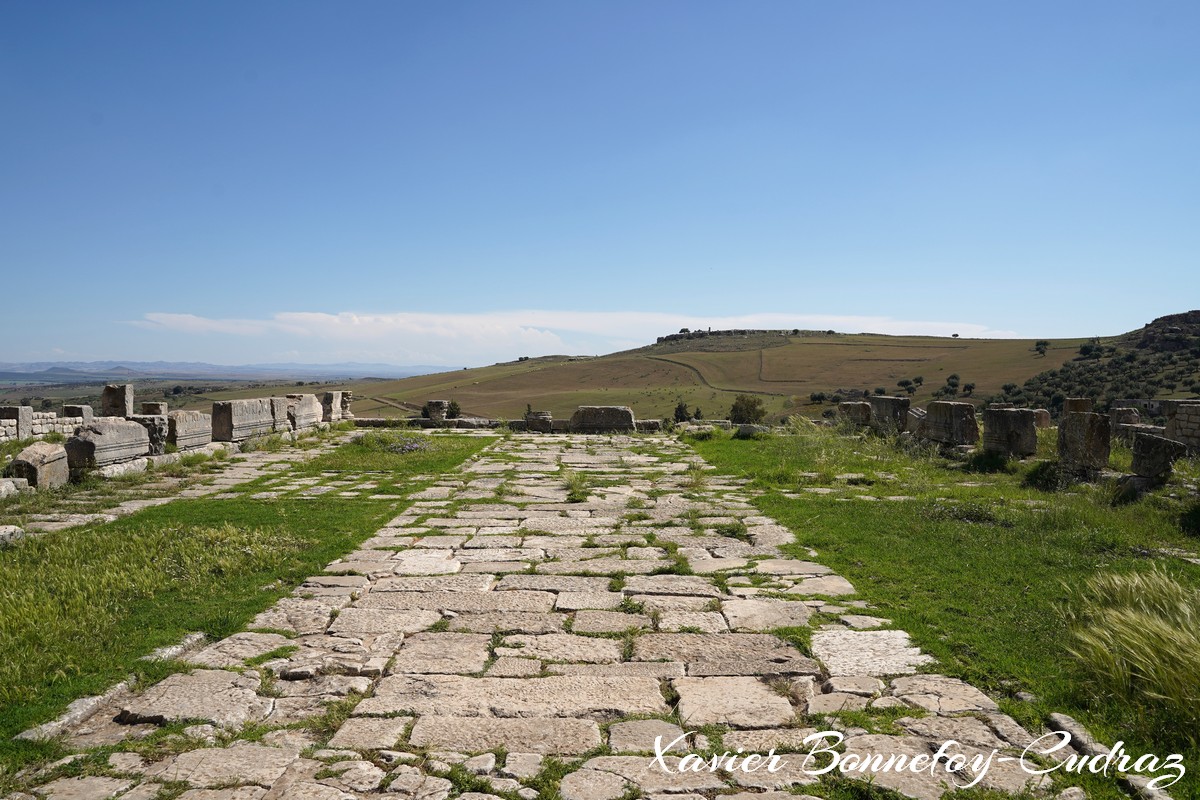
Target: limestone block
column 539, row 422
column 188, row 429
column 280, row 421
column 331, row 407
column 1010, row 431
column 43, row 464
column 237, row 420
column 24, row 419
column 1184, row 425
column 1074, row 405
column 157, row 428
column 106, row 441
column 304, row 411
column 649, row 425
column 916, row 421
column 1083, row 441
column 1153, row 456
column 117, row 400
column 889, row 413
column 1042, row 418
column 951, row 423
column 858, row 413
column 156, row 409
column 603, row 419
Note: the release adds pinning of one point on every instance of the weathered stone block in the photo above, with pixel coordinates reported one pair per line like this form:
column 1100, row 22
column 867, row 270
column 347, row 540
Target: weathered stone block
column 43, row 464
column 237, row 420
column 331, row 406
column 1123, row 416
column 889, row 414
column 83, row 412
column 1153, row 456
column 857, row 412
column 915, row 421
column 1010, row 431
column 156, row 427
column 950, row 423
column 106, row 441
column 347, row 399
column 117, row 401
column 1083, row 442
column 603, row 419
column 1183, row 424
column 437, row 409
column 304, row 411
column 539, row 422
column 1074, row 405
column 157, row 409
column 24, row 417
column 188, row 429
column 1042, row 418
column 280, row 422
column 649, row 425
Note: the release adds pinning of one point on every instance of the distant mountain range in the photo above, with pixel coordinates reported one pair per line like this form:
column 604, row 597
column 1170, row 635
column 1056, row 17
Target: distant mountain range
column 91, row 371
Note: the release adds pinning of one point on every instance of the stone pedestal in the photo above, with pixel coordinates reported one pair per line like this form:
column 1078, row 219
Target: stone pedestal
column 43, row 464
column 304, row 411
column 1153, row 456
column 1074, row 405
column 237, row 420
column 117, row 401
column 331, row 407
column 189, row 429
column 950, row 423
column 1010, row 431
column 539, row 422
column 106, row 441
column 1042, row 418
column 1083, row 443
column 889, row 414
column 857, row 413
column 603, row 419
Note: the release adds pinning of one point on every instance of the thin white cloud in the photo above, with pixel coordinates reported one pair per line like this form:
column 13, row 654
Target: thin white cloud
column 503, row 335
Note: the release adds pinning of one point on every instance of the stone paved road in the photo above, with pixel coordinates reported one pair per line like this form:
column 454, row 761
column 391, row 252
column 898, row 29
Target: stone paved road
column 497, row 616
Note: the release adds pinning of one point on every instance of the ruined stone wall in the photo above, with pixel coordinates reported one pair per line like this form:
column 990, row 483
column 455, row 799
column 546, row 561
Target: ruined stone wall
column 22, row 422
column 1184, row 426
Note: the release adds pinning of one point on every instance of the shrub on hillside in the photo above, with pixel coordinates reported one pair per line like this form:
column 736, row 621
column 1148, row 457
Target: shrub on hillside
column 747, row 410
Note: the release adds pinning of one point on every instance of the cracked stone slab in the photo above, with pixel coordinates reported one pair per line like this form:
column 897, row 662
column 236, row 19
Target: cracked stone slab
column 831, row 585
column 301, row 616
column 556, row 696
column 765, row 614
column 942, row 695
column 473, row 602
column 561, row 647
column 371, row 621
column 477, row 734
column 508, row 622
column 370, row 733
column 847, row 652
column 650, row 777
column 461, row 653
column 425, row 562
column 590, row 784
column 227, row 699
column 696, row 647
column 233, row 651
column 639, row 736
column 741, row 702
column 699, row 621
column 213, row 767
column 690, row 585
column 85, row 788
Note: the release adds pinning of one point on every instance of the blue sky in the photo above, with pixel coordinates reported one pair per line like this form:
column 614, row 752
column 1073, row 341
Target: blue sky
column 461, row 183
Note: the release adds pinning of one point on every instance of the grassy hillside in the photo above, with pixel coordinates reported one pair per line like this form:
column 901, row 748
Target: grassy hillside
column 708, row 373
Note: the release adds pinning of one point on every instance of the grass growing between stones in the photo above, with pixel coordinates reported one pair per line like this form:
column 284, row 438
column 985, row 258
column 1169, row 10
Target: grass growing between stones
column 977, row 568
column 82, row 606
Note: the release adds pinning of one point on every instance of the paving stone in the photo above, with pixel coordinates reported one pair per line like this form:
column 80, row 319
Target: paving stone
column 473, row 602
column 867, row 652
column 662, row 603
column 411, row 784
column 941, row 695
column 854, row 684
column 862, row 622
column 86, row 788
column 509, row 667
column 831, row 585
column 641, row 669
column 966, row 729
column 236, row 649
column 574, row 601
column 521, row 765
column 698, row 621
column 762, row 741
column 237, row 793
column 791, row 771
column 539, row 735
column 227, row 699
column 741, row 702
column 787, row 566
column 833, row 702
column 608, row 621
column 692, row 585
column 557, row 696
column 693, row 647
column 508, row 622
column 462, row 582
column 370, row 733
column 764, row 614
column 216, row 766
column 561, row 647
column 639, row 736
column 589, row 784
column 647, row 774
column 600, row 566
column 481, row 764
column 366, row 621
column 425, row 562
column 302, row 617
column 353, row 776
column 461, row 653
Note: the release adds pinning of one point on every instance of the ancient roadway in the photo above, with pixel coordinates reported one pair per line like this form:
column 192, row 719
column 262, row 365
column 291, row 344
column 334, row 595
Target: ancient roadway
column 498, row 639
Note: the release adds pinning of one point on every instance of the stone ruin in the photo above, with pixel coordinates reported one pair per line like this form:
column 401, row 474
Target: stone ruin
column 120, row 440
column 857, row 412
column 437, row 409
column 1010, row 432
column 603, row 419
column 1073, row 405
column 889, row 414
column 1183, row 424
column 539, row 422
column 950, row 423
column 1083, row 443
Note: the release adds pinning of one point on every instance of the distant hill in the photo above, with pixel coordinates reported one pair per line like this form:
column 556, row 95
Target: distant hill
column 93, row 371
column 1160, row 360
column 785, row 368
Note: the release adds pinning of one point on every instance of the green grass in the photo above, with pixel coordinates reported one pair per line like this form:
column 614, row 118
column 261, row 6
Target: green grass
column 978, row 575
column 82, row 606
